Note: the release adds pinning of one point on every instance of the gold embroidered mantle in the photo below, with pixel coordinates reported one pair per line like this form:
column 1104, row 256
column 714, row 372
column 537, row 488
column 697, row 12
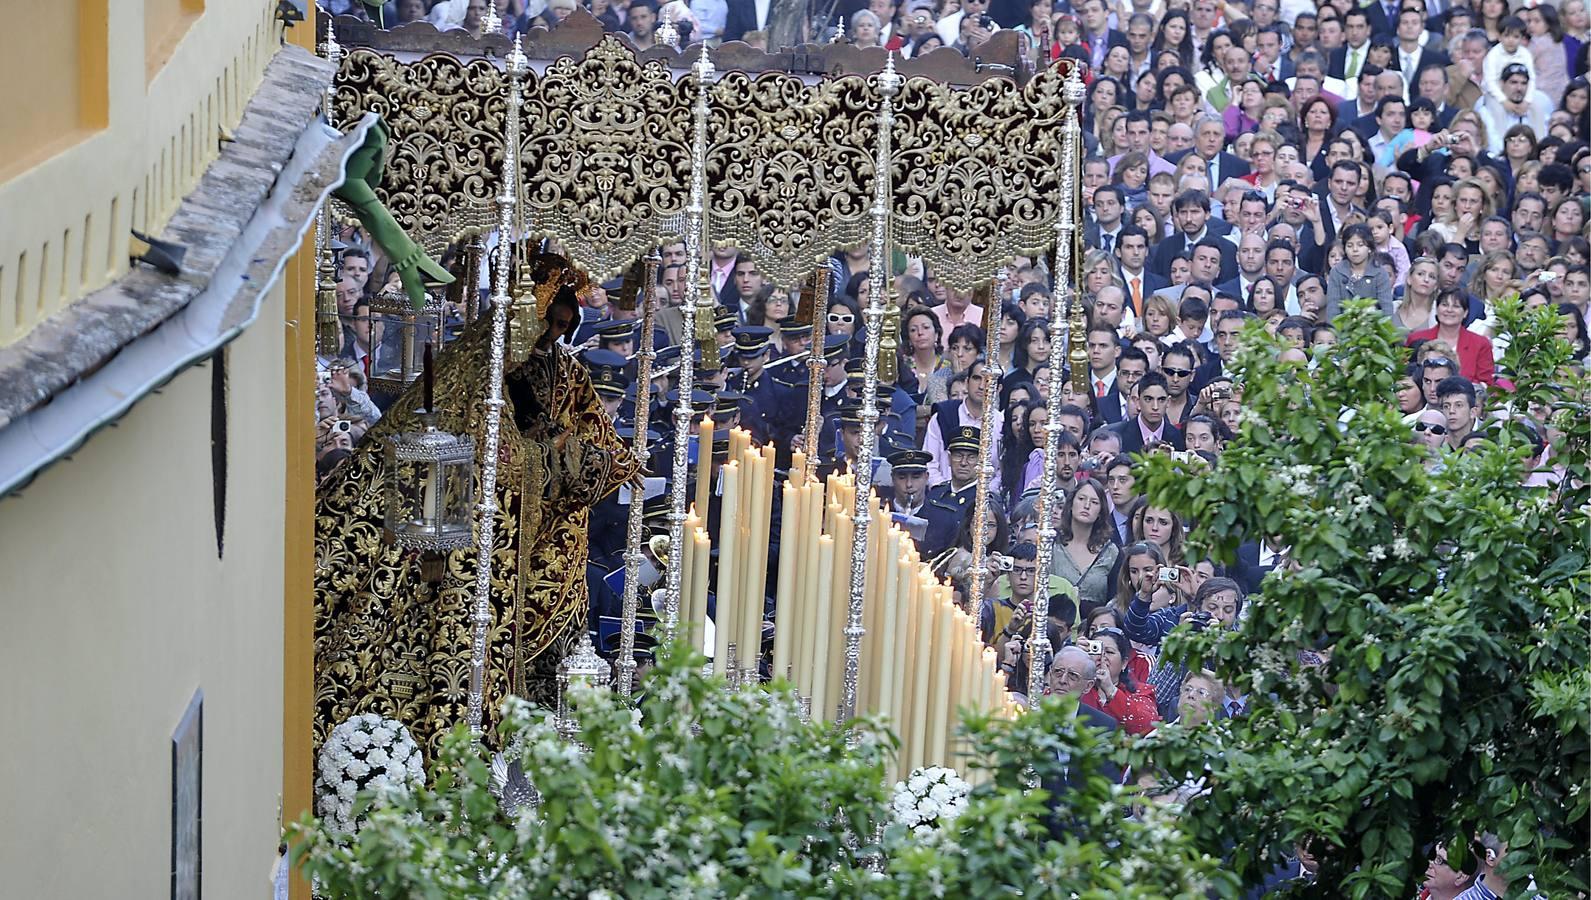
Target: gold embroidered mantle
column 389, row 643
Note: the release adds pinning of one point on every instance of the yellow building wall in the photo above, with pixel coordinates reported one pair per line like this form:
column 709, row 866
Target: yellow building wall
column 116, row 609
column 150, row 81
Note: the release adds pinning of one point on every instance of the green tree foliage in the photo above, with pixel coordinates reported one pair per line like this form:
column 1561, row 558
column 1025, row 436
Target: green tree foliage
column 1419, row 673
column 706, row 792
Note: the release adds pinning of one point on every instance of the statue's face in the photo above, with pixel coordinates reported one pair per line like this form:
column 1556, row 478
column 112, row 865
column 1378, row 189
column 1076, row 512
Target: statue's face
column 560, row 322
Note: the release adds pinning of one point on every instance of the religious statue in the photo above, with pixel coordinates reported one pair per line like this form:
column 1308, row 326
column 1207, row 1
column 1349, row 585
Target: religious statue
column 389, row 642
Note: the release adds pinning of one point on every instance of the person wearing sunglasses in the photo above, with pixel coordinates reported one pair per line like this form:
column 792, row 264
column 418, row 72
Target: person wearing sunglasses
column 843, row 315
column 1178, row 363
column 1430, row 430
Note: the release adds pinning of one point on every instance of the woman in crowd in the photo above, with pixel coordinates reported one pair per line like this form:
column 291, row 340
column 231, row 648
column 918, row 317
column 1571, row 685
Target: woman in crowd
column 1146, row 218
column 1470, row 208
column 1140, row 664
column 1132, row 175
column 768, row 306
column 1160, row 316
column 1416, row 311
column 966, row 342
column 1016, row 444
column 844, row 316
column 1262, row 157
column 1576, row 101
column 1475, row 358
column 1494, row 277
column 924, row 337
column 1203, row 434
column 1566, row 222
column 1175, row 35
column 1085, row 554
column 1242, row 115
column 1263, row 297
column 1012, row 318
column 1164, row 528
column 1115, row 693
column 1574, row 331
column 1099, row 272
column 1103, row 94
column 866, row 29
column 1032, row 350
column 1137, row 576
column 1519, row 146
column 1318, row 123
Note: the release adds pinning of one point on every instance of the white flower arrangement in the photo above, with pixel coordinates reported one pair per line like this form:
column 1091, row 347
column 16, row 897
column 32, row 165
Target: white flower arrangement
column 929, row 800
column 366, row 752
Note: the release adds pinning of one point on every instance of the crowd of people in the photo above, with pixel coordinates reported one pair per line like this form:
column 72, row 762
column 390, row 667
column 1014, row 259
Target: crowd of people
column 1257, row 159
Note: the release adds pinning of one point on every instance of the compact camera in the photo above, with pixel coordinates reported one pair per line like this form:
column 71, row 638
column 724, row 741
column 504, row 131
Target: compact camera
column 1167, row 575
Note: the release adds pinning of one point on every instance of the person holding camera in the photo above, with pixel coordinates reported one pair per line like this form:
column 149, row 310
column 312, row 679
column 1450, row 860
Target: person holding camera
column 1115, row 692
column 347, row 383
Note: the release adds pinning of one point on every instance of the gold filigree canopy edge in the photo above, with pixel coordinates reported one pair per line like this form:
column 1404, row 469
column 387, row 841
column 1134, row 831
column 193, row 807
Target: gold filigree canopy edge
column 606, row 151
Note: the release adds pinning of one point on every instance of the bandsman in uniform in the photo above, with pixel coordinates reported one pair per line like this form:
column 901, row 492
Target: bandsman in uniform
column 751, row 352
column 950, row 502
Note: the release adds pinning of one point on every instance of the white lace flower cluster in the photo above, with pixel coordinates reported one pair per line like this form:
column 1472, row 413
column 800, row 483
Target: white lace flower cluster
column 930, row 799
column 366, row 752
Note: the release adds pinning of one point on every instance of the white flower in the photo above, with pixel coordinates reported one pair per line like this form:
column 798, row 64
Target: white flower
column 359, row 741
column 382, row 736
column 377, row 757
column 357, row 769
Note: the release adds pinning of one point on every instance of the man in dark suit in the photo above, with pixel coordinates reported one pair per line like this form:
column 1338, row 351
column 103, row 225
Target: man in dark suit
column 1255, row 559
column 1430, row 82
column 1073, row 672
column 1097, row 33
column 746, row 15
column 1191, row 212
column 1348, row 60
column 1270, row 63
column 1150, row 424
column 1383, row 17
column 1410, row 57
column 1132, row 257
column 1103, row 350
column 1209, row 141
column 1110, row 202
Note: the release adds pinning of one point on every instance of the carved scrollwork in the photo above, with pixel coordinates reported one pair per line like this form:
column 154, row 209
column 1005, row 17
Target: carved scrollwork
column 974, row 174
column 444, row 119
column 606, row 159
column 790, row 169
column 606, row 156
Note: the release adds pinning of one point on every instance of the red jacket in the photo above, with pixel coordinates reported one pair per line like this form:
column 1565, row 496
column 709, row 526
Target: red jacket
column 1475, row 360
column 1136, row 712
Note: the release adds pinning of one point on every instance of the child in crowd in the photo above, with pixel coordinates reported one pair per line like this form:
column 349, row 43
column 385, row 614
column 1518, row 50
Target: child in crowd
column 1510, row 49
column 1357, row 275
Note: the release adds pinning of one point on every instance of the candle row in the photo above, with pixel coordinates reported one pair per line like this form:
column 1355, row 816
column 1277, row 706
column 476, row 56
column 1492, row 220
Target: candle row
column 744, row 523
column 922, row 662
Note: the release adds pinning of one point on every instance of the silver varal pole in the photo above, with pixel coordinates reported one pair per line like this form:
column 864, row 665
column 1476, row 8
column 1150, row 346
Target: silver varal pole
column 632, row 546
column 1065, row 295
column 486, row 510
column 991, row 383
column 694, row 248
column 888, row 83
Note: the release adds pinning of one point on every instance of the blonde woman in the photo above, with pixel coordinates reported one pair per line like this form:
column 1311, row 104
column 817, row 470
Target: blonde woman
column 1494, row 278
column 1471, row 207
column 1160, row 316
column 1262, row 159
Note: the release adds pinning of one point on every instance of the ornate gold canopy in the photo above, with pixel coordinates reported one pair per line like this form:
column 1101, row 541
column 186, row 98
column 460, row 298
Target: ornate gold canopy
column 606, row 156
